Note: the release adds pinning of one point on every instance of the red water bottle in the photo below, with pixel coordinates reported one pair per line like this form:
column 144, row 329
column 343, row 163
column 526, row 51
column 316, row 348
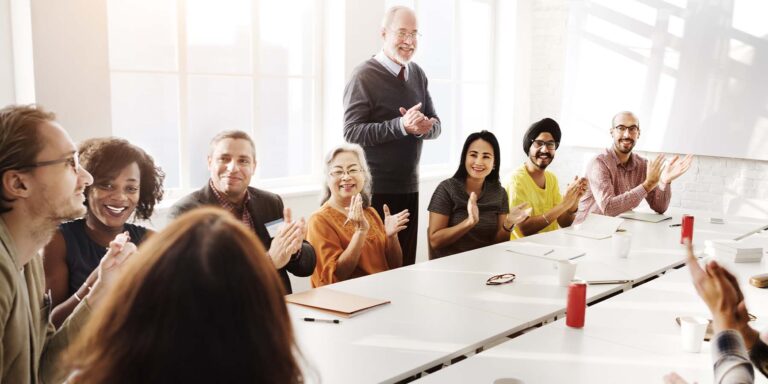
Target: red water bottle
column 577, row 304
column 686, row 230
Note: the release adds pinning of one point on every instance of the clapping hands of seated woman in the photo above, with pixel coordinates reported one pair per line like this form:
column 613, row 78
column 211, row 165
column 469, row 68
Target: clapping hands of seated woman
column 473, row 212
column 395, row 223
column 111, row 265
column 355, row 214
column 287, row 240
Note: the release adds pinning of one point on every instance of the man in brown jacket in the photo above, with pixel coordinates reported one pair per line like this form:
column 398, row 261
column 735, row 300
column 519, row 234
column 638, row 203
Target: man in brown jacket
column 41, row 186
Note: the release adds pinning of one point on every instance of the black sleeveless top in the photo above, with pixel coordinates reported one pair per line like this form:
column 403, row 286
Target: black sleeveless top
column 84, row 254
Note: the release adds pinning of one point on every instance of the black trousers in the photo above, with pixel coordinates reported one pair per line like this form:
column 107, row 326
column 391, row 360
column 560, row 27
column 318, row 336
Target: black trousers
column 396, row 203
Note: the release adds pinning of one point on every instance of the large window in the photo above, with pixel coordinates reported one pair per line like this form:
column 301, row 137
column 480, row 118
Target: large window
column 183, row 70
column 456, row 51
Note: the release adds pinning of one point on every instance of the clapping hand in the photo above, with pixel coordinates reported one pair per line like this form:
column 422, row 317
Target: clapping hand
column 675, row 168
column 517, row 214
column 653, row 172
column 473, row 212
column 111, row 265
column 575, row 190
column 720, row 291
column 415, row 122
column 395, row 223
column 287, row 240
column 355, row 214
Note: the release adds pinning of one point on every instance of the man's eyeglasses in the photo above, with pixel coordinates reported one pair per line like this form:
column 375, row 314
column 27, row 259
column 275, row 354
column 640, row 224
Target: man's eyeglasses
column 405, row 35
column 72, row 161
column 500, row 279
column 633, row 129
column 337, row 174
column 541, row 143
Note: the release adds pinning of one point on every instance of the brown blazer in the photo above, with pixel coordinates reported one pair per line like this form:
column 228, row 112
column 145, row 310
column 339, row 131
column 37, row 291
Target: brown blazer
column 29, row 344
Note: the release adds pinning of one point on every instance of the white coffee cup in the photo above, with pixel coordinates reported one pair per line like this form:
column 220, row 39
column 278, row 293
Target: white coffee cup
column 620, row 244
column 692, row 330
column 566, row 270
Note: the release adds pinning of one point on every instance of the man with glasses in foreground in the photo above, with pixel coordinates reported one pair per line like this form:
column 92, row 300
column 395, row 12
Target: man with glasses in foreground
column 42, row 185
column 619, row 179
column 389, row 112
column 232, row 163
column 533, row 184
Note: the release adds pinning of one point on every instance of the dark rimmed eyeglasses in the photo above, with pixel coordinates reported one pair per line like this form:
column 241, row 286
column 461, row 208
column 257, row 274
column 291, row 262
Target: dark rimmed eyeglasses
column 500, row 279
column 633, row 129
column 541, row 143
column 72, row 161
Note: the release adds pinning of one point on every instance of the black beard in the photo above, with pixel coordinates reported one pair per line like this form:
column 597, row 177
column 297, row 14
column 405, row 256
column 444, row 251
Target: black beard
column 542, row 166
column 618, row 147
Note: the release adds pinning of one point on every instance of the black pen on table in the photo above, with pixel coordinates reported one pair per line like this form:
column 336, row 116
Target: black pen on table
column 675, row 225
column 330, row 321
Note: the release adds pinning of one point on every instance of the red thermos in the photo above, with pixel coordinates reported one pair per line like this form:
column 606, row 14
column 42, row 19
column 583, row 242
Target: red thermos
column 686, row 230
column 577, row 304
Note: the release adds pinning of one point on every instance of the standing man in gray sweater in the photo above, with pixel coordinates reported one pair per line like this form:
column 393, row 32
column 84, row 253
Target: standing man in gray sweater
column 388, row 111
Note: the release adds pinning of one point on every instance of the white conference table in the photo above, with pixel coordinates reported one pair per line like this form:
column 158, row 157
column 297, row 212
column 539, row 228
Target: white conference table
column 630, row 338
column 442, row 309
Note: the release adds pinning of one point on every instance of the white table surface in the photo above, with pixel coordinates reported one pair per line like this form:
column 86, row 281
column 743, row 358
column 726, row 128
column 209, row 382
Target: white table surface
column 630, row 338
column 442, row 309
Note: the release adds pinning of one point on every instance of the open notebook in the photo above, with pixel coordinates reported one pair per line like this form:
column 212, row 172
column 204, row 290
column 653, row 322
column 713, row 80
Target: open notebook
column 335, row 302
column 650, row 217
column 596, row 227
column 549, row 252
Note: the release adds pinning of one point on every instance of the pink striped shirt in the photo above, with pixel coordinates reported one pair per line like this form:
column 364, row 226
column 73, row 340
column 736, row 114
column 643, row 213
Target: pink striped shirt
column 615, row 188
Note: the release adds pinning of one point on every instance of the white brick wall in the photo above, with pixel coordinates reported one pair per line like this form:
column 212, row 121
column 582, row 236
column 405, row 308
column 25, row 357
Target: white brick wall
column 712, row 183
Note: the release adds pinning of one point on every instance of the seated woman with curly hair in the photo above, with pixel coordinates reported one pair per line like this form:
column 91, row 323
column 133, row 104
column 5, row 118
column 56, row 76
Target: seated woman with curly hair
column 126, row 183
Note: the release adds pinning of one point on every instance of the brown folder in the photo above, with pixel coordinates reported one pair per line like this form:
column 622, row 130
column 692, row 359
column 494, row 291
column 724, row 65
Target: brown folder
column 338, row 303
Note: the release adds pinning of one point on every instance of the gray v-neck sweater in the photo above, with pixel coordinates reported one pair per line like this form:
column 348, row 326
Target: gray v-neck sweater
column 372, row 99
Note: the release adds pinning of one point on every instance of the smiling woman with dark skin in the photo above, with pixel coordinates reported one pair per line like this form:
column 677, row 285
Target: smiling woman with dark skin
column 126, row 184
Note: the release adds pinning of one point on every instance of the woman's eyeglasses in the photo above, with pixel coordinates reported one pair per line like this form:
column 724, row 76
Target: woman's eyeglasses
column 500, row 279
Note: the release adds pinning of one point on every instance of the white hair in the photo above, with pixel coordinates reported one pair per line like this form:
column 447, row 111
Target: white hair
column 358, row 151
column 389, row 15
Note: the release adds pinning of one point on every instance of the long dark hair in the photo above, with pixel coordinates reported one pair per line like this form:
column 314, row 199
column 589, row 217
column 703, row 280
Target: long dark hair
column 200, row 302
column 461, row 172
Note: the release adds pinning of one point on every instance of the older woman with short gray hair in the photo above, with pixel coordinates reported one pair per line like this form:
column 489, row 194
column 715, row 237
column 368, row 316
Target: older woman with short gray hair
column 350, row 238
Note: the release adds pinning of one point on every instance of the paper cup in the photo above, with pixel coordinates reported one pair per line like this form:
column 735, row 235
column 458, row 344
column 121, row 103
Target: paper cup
column 620, row 244
column 692, row 331
column 566, row 270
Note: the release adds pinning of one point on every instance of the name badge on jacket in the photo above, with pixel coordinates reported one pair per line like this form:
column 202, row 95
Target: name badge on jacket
column 273, row 227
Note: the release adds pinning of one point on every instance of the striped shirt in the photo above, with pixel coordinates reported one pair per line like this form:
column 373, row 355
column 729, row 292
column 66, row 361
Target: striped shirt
column 731, row 362
column 615, row 188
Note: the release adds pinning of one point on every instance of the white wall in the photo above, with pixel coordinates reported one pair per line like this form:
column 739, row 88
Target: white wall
column 7, row 85
column 712, row 183
column 71, row 64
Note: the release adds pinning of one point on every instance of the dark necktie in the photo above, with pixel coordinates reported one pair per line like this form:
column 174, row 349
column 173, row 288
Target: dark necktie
column 401, row 74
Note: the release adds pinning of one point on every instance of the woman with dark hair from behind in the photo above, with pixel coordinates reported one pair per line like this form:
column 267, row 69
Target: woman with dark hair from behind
column 126, row 183
column 470, row 209
column 199, row 303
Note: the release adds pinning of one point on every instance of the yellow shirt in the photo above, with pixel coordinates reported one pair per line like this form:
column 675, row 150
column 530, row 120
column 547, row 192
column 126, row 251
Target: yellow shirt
column 522, row 189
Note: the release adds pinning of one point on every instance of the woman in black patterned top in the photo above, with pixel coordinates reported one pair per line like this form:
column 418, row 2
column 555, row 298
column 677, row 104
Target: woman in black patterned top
column 470, row 210
column 126, row 184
